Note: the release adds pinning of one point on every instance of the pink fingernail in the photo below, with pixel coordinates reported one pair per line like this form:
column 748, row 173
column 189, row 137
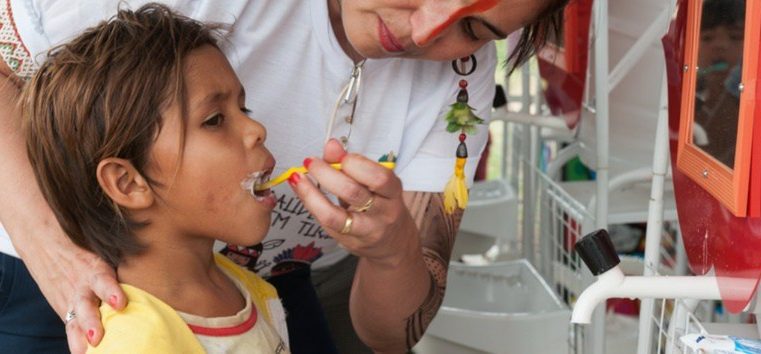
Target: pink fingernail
column 90, row 335
column 307, row 162
column 112, row 300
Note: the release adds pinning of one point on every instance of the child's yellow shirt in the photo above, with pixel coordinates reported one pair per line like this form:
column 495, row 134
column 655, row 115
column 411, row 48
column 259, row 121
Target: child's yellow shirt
column 148, row 325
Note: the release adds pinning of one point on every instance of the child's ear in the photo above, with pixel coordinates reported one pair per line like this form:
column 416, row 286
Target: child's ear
column 122, row 183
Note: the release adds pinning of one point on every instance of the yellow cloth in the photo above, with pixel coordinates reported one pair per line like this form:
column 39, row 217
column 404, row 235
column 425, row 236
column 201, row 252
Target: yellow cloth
column 148, row 325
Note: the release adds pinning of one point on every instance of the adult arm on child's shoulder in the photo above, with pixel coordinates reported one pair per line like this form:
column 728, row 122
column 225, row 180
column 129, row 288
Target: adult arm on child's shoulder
column 68, row 276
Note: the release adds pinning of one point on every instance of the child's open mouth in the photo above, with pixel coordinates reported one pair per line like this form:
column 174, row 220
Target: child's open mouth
column 254, row 180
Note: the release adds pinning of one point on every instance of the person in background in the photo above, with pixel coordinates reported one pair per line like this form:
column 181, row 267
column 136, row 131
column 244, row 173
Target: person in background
column 717, row 96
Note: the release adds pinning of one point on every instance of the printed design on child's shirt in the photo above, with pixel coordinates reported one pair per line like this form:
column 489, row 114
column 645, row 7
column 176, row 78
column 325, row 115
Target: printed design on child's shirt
column 248, row 257
column 292, row 226
column 295, row 258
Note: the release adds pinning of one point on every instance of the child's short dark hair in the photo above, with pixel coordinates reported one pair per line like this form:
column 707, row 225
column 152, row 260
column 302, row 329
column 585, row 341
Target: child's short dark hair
column 99, row 96
column 727, row 13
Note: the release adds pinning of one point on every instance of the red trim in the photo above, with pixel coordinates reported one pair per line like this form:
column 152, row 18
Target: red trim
column 754, row 198
column 227, row 331
column 15, row 31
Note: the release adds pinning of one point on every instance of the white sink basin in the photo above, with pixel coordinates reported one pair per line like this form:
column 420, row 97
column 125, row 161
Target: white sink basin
column 501, row 308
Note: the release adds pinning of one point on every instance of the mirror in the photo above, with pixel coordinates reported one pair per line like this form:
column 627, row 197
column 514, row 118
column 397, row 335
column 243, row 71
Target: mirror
column 718, row 98
column 717, row 93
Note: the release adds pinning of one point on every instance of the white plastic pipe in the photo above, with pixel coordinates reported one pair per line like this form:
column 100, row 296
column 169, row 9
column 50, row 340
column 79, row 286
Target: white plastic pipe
column 613, row 284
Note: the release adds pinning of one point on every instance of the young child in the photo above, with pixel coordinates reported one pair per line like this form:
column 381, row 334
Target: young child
column 140, row 141
column 717, row 96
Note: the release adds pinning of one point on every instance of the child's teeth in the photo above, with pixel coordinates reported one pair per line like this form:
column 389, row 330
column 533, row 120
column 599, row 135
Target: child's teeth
column 249, row 184
column 261, row 180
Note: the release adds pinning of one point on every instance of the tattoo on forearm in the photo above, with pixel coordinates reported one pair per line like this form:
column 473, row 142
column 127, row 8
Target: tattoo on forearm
column 437, row 235
column 419, row 321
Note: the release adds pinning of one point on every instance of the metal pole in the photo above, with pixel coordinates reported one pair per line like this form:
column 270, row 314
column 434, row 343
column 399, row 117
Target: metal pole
column 654, row 220
column 507, row 139
column 528, row 167
column 597, row 330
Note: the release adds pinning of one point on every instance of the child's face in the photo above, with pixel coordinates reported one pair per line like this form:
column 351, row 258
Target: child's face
column 721, row 44
column 200, row 188
column 720, row 50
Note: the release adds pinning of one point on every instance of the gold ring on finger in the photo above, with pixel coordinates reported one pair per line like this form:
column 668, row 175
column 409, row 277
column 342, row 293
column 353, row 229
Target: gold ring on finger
column 347, row 224
column 368, row 204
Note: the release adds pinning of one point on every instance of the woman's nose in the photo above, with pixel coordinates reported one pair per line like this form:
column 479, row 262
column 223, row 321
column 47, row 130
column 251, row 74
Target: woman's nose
column 432, row 17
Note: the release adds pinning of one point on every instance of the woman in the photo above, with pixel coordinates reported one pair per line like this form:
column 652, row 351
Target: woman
column 378, row 75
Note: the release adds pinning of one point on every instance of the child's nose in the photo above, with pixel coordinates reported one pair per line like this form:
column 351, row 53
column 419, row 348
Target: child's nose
column 254, row 133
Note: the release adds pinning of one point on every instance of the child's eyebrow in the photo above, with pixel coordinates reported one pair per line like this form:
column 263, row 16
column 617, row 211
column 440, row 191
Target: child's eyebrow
column 218, row 96
column 211, row 98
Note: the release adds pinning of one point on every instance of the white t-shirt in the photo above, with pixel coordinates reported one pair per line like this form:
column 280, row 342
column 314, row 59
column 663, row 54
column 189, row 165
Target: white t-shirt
column 244, row 332
column 293, row 69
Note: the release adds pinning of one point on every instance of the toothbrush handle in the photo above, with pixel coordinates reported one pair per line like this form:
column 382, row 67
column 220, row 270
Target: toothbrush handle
column 337, row 166
column 301, row 169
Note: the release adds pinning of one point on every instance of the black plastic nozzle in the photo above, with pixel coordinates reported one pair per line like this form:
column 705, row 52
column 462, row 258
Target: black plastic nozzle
column 500, row 99
column 597, row 252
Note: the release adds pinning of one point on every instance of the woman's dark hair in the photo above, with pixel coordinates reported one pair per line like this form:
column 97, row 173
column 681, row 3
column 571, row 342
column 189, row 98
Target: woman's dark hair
column 98, row 96
column 548, row 25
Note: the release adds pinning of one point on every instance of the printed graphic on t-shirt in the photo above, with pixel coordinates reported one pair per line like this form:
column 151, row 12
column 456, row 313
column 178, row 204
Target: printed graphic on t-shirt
column 290, row 213
column 243, row 256
column 295, row 240
column 295, row 258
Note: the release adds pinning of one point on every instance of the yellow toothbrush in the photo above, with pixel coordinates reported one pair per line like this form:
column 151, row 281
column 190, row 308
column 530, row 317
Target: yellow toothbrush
column 301, row 169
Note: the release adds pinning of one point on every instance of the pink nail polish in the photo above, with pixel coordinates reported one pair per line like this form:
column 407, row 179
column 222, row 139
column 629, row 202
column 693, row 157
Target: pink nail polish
column 112, row 300
column 307, row 162
column 90, row 335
